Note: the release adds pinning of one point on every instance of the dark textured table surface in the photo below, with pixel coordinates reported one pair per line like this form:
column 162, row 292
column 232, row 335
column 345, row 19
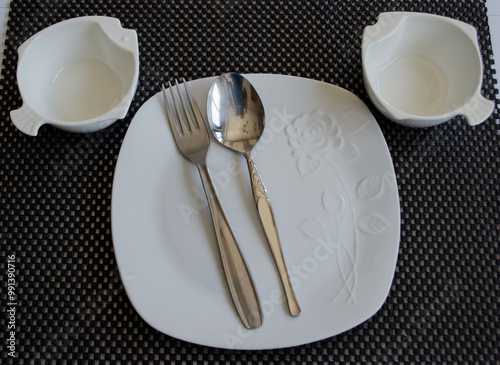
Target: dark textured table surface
column 55, row 191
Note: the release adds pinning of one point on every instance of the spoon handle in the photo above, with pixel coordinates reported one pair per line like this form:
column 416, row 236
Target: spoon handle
column 238, row 275
column 266, row 214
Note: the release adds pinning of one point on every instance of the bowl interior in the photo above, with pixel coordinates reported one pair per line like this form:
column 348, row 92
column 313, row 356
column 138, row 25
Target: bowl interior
column 74, row 72
column 426, row 67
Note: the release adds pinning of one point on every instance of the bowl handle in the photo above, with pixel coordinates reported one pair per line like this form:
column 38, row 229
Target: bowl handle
column 125, row 38
column 26, row 120
column 477, row 110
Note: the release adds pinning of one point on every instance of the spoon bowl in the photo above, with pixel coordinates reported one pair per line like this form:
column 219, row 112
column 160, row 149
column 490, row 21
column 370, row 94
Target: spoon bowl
column 237, row 120
column 235, row 113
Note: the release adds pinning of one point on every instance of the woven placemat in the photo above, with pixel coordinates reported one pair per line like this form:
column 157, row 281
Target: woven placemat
column 55, row 191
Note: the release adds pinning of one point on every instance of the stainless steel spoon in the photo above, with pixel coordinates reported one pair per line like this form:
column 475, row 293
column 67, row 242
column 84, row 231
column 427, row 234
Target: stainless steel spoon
column 236, row 116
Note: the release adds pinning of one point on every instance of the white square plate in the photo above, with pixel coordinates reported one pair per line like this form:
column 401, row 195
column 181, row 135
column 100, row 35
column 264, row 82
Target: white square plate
column 331, row 181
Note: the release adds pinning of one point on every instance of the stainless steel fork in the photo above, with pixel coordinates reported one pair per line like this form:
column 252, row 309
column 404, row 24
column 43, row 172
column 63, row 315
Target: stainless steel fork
column 191, row 137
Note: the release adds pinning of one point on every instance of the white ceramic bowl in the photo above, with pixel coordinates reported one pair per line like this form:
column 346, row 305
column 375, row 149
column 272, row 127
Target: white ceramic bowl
column 421, row 70
column 79, row 75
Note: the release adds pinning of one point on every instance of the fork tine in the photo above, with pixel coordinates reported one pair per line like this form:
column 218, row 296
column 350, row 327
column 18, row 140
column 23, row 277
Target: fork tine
column 194, row 105
column 188, row 107
column 185, row 126
column 175, row 125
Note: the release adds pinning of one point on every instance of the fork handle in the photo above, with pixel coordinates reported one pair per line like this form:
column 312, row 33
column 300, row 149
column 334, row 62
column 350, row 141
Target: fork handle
column 266, row 215
column 238, row 277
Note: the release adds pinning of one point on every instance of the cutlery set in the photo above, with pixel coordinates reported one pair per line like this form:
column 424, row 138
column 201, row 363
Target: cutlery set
column 236, row 117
